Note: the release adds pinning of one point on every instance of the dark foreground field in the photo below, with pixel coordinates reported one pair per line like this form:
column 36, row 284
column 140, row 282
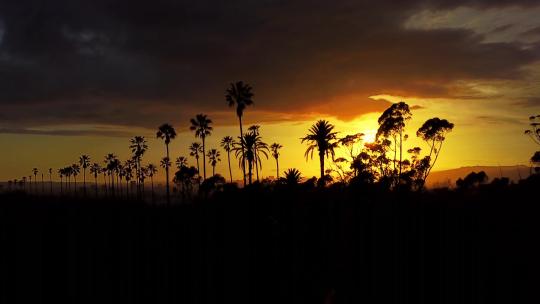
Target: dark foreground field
column 284, row 246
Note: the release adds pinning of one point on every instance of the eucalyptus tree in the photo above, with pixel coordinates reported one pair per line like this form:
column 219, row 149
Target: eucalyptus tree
column 240, row 95
column 392, row 125
column 213, row 158
column 167, row 133
column 274, row 148
column 84, row 162
column 534, row 130
column 227, row 143
column 321, row 137
column 201, row 126
column 434, row 132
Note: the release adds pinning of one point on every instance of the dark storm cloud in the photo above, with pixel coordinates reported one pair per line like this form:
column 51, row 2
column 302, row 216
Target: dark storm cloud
column 140, row 63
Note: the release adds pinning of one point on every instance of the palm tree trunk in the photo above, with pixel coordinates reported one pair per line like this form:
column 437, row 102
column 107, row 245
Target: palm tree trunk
column 167, row 177
column 50, row 181
column 213, row 170
column 250, row 166
column 229, row 159
column 84, row 180
column 61, row 186
column 321, row 160
column 204, row 156
column 95, row 184
column 400, row 152
column 243, row 150
column 256, row 163
column 152, row 183
column 277, row 168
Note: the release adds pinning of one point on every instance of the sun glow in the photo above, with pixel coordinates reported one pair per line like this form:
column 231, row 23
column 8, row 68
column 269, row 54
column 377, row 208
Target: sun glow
column 369, row 136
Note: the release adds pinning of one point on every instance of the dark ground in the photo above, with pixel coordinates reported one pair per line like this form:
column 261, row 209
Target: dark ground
column 286, row 246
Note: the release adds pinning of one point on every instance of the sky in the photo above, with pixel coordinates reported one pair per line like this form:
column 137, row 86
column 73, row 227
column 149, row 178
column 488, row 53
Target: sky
column 82, row 77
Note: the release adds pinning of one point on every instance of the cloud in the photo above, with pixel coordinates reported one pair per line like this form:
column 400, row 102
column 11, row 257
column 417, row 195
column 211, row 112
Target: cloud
column 133, row 63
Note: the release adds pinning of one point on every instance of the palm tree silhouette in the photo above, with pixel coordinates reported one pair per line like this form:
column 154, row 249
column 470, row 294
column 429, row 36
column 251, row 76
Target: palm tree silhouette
column 534, row 131
column 213, row 159
column 95, row 170
column 194, row 150
column 50, row 178
column 84, row 162
column 181, row 161
column 167, row 133
column 292, row 176
column 255, row 129
column 322, row 138
column 227, row 143
column 111, row 162
column 128, row 173
column 274, row 148
column 201, row 125
column 138, row 147
column 152, row 170
column 35, row 172
column 241, row 96
column 166, row 164
column 245, row 151
column 75, row 170
column 61, row 175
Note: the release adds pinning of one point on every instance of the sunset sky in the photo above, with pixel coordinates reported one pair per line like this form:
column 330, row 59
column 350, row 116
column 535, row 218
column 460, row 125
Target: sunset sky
column 82, row 77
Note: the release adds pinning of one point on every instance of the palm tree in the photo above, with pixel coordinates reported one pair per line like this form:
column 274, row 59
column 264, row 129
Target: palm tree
column 181, row 161
column 50, row 178
column 61, row 174
column 35, row 172
column 227, row 144
column 241, row 96
column 84, row 161
column 255, row 129
column 152, row 170
column 292, row 176
column 245, row 151
column 111, row 162
column 166, row 164
column 128, row 173
column 201, row 125
column 167, row 133
column 213, row 159
column 322, row 138
column 95, row 169
column 138, row 147
column 196, row 148
column 75, row 170
column 275, row 153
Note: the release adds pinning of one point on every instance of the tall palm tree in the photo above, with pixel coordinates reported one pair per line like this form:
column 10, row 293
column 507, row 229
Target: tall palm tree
column 50, row 178
column 35, row 172
column 255, row 129
column 61, row 175
column 111, row 162
column 75, row 170
column 201, row 126
column 213, row 159
column 194, row 150
column 152, row 170
column 95, row 169
column 167, row 133
column 138, row 147
column 128, row 173
column 240, row 94
column 275, row 153
column 227, row 143
column 84, row 162
column 245, row 152
column 322, row 137
column 166, row 164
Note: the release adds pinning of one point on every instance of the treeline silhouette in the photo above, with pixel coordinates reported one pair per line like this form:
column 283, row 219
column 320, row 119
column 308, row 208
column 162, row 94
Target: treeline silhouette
column 342, row 159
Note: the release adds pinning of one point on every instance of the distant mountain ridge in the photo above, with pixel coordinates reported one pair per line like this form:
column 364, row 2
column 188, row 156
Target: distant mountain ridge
column 447, row 178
